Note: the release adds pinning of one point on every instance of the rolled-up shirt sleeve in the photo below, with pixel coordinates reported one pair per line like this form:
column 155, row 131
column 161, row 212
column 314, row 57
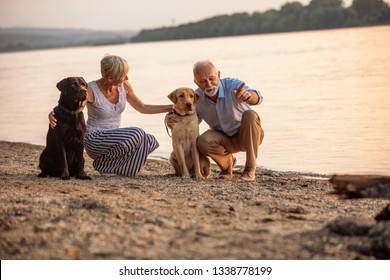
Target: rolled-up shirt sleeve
column 259, row 95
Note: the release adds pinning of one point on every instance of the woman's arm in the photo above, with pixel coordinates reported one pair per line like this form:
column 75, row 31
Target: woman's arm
column 137, row 103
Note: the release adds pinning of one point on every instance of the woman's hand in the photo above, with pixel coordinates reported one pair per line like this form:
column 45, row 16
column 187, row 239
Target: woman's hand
column 52, row 120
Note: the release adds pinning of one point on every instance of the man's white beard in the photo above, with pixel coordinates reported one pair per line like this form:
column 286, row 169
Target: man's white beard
column 211, row 91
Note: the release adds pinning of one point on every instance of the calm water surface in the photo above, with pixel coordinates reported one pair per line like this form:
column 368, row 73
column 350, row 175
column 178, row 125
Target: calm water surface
column 326, row 105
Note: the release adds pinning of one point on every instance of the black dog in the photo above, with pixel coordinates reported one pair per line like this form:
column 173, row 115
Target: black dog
column 63, row 155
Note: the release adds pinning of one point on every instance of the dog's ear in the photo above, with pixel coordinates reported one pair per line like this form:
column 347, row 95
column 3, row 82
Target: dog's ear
column 62, row 85
column 83, row 81
column 172, row 96
column 196, row 96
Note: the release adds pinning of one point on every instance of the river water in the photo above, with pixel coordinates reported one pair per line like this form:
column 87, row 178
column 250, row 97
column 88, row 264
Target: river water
column 326, row 105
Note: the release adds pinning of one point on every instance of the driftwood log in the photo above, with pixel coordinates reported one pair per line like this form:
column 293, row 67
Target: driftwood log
column 361, row 186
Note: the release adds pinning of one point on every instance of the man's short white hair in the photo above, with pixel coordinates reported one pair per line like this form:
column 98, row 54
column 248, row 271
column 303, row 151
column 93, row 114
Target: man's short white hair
column 202, row 64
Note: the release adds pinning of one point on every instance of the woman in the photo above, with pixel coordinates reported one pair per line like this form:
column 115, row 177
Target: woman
column 115, row 150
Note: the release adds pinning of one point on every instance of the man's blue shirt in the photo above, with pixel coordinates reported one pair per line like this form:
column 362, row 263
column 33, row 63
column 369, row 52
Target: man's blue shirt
column 225, row 114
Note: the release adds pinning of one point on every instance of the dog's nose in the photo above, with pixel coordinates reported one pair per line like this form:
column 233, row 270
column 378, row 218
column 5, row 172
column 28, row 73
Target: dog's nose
column 188, row 105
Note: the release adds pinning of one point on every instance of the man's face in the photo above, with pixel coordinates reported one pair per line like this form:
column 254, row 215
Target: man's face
column 207, row 79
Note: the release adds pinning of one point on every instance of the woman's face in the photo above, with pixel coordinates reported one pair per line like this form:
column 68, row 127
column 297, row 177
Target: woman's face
column 118, row 82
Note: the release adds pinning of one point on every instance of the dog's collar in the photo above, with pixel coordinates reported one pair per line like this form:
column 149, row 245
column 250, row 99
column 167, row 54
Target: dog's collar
column 66, row 110
column 174, row 112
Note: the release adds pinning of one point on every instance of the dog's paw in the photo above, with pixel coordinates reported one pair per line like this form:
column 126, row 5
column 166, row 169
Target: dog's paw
column 65, row 177
column 83, row 177
column 42, row 175
column 198, row 177
column 169, row 175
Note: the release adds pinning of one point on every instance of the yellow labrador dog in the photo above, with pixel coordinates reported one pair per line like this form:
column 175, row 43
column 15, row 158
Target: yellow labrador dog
column 185, row 158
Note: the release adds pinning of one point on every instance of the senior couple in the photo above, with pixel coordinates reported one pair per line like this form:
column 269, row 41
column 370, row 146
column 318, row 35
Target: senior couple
column 224, row 104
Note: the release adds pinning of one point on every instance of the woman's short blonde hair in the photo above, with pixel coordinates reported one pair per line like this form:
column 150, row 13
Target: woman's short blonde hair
column 112, row 66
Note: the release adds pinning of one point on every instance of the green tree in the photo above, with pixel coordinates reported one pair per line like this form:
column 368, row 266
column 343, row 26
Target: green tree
column 351, row 18
column 269, row 22
column 289, row 16
column 372, row 12
column 326, row 17
column 315, row 4
column 318, row 14
column 364, row 7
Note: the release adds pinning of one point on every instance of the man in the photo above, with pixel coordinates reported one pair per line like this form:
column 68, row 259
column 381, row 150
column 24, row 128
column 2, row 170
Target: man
column 224, row 104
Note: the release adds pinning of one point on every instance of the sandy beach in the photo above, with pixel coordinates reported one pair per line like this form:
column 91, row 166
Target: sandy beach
column 281, row 215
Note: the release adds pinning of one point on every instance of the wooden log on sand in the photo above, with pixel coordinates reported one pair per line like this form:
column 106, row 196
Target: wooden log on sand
column 359, row 186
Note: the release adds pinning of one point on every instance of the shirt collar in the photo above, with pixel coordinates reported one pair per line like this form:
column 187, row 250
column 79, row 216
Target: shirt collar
column 221, row 91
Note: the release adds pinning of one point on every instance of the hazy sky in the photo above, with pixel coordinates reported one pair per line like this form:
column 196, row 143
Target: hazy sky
column 123, row 14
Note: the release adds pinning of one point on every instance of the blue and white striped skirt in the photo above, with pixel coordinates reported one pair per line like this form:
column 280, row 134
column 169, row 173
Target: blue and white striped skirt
column 121, row 151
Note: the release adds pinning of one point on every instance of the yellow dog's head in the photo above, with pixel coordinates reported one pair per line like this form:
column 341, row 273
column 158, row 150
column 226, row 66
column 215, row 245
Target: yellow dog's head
column 184, row 99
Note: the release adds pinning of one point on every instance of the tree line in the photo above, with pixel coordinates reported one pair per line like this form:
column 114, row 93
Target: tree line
column 293, row 16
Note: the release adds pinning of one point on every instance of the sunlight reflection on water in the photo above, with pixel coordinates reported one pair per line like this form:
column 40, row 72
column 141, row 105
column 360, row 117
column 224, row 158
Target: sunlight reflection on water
column 326, row 102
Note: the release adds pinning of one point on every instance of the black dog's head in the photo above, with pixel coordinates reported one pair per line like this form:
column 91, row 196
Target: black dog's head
column 73, row 92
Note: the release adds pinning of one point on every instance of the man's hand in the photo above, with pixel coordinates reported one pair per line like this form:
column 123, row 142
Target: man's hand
column 52, row 120
column 170, row 120
column 241, row 93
